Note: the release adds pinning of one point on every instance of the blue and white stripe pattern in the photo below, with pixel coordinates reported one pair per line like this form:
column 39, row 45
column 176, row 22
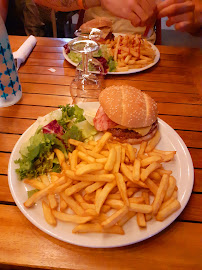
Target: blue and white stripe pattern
column 9, row 81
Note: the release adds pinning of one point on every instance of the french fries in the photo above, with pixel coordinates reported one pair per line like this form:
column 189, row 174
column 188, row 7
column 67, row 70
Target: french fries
column 49, row 217
column 130, row 51
column 107, row 183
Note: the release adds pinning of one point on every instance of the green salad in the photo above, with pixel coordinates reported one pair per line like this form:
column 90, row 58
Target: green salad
column 37, row 154
column 102, row 55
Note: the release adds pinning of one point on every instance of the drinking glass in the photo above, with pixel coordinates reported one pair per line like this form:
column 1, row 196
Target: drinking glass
column 10, row 88
column 88, row 81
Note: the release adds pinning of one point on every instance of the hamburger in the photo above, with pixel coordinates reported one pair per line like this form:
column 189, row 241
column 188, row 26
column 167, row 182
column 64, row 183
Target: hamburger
column 128, row 113
column 101, row 23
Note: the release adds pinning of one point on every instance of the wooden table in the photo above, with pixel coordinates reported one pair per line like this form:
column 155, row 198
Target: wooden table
column 175, row 84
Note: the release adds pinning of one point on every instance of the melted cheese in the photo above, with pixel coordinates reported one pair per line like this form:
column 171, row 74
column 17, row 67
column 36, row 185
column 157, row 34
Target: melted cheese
column 142, row 131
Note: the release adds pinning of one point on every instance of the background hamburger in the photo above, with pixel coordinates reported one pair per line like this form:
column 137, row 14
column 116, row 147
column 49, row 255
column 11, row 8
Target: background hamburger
column 128, row 113
column 102, row 23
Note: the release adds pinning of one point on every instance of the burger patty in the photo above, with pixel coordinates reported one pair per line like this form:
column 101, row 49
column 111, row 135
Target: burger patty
column 130, row 134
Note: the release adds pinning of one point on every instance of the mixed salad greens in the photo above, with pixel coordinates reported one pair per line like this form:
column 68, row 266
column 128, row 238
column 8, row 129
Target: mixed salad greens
column 37, row 154
column 102, row 55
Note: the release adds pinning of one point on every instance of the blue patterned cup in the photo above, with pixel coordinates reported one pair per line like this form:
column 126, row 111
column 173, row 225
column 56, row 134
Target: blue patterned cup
column 10, row 88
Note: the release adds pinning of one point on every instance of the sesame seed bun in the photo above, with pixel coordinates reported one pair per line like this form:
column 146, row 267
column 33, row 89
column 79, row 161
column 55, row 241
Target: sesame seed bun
column 99, row 22
column 128, row 106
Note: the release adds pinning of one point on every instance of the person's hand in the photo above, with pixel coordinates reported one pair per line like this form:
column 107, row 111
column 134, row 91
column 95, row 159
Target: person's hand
column 139, row 12
column 179, row 12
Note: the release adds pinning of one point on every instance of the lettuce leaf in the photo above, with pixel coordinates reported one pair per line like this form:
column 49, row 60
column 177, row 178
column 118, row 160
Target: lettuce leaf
column 70, row 115
column 87, row 129
column 75, row 57
column 35, row 161
column 112, row 64
column 31, row 192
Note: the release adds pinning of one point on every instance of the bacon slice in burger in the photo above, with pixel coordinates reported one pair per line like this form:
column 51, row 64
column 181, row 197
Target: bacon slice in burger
column 102, row 122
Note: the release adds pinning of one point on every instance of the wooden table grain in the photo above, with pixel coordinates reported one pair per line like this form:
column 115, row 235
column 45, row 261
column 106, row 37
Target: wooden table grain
column 175, row 83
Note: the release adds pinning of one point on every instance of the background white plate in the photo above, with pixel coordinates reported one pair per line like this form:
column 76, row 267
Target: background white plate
column 181, row 166
column 156, row 59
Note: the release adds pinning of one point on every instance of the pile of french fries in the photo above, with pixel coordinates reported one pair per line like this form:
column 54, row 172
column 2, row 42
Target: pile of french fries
column 130, row 52
column 105, row 183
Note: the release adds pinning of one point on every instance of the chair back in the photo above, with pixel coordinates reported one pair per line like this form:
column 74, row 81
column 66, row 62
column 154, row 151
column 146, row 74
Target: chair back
column 158, row 31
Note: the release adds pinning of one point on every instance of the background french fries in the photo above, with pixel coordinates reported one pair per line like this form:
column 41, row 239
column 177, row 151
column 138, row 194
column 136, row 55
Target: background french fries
column 104, row 184
column 130, row 51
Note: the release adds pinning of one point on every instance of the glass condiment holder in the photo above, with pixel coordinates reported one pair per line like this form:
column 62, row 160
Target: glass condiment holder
column 88, row 81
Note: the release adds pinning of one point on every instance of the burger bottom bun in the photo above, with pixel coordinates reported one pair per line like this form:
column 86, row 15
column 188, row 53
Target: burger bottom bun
column 139, row 140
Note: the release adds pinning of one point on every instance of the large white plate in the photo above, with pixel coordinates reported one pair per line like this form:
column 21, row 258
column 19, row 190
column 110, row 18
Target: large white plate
column 181, row 166
column 156, row 59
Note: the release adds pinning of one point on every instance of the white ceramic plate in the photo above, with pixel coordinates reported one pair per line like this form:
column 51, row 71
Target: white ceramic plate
column 181, row 166
column 156, row 59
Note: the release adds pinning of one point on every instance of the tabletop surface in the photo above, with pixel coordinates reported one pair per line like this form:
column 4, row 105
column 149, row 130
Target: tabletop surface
column 175, row 84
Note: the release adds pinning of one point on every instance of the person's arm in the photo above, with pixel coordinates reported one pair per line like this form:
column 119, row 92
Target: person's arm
column 68, row 5
column 3, row 9
column 139, row 12
column 184, row 14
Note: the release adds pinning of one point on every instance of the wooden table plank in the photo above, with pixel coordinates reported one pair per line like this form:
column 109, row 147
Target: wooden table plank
column 175, row 78
column 8, row 141
column 182, row 122
column 62, row 69
column 196, row 155
column 45, row 250
column 17, row 41
column 30, row 67
column 191, row 139
column 53, row 100
column 154, row 86
column 193, row 209
column 197, row 184
column 6, row 125
column 143, row 85
column 66, row 80
column 5, row 195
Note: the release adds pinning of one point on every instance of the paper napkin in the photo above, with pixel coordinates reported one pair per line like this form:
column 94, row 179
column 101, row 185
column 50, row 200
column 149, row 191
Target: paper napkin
column 23, row 52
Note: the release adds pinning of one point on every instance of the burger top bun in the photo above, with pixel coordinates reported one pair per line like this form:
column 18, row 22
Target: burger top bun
column 96, row 23
column 128, row 106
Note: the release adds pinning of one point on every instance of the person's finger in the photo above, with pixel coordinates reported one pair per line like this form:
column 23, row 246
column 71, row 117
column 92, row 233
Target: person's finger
column 152, row 4
column 183, row 26
column 135, row 20
column 180, row 18
column 176, row 9
column 153, row 12
column 166, row 3
column 148, row 7
column 138, row 10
